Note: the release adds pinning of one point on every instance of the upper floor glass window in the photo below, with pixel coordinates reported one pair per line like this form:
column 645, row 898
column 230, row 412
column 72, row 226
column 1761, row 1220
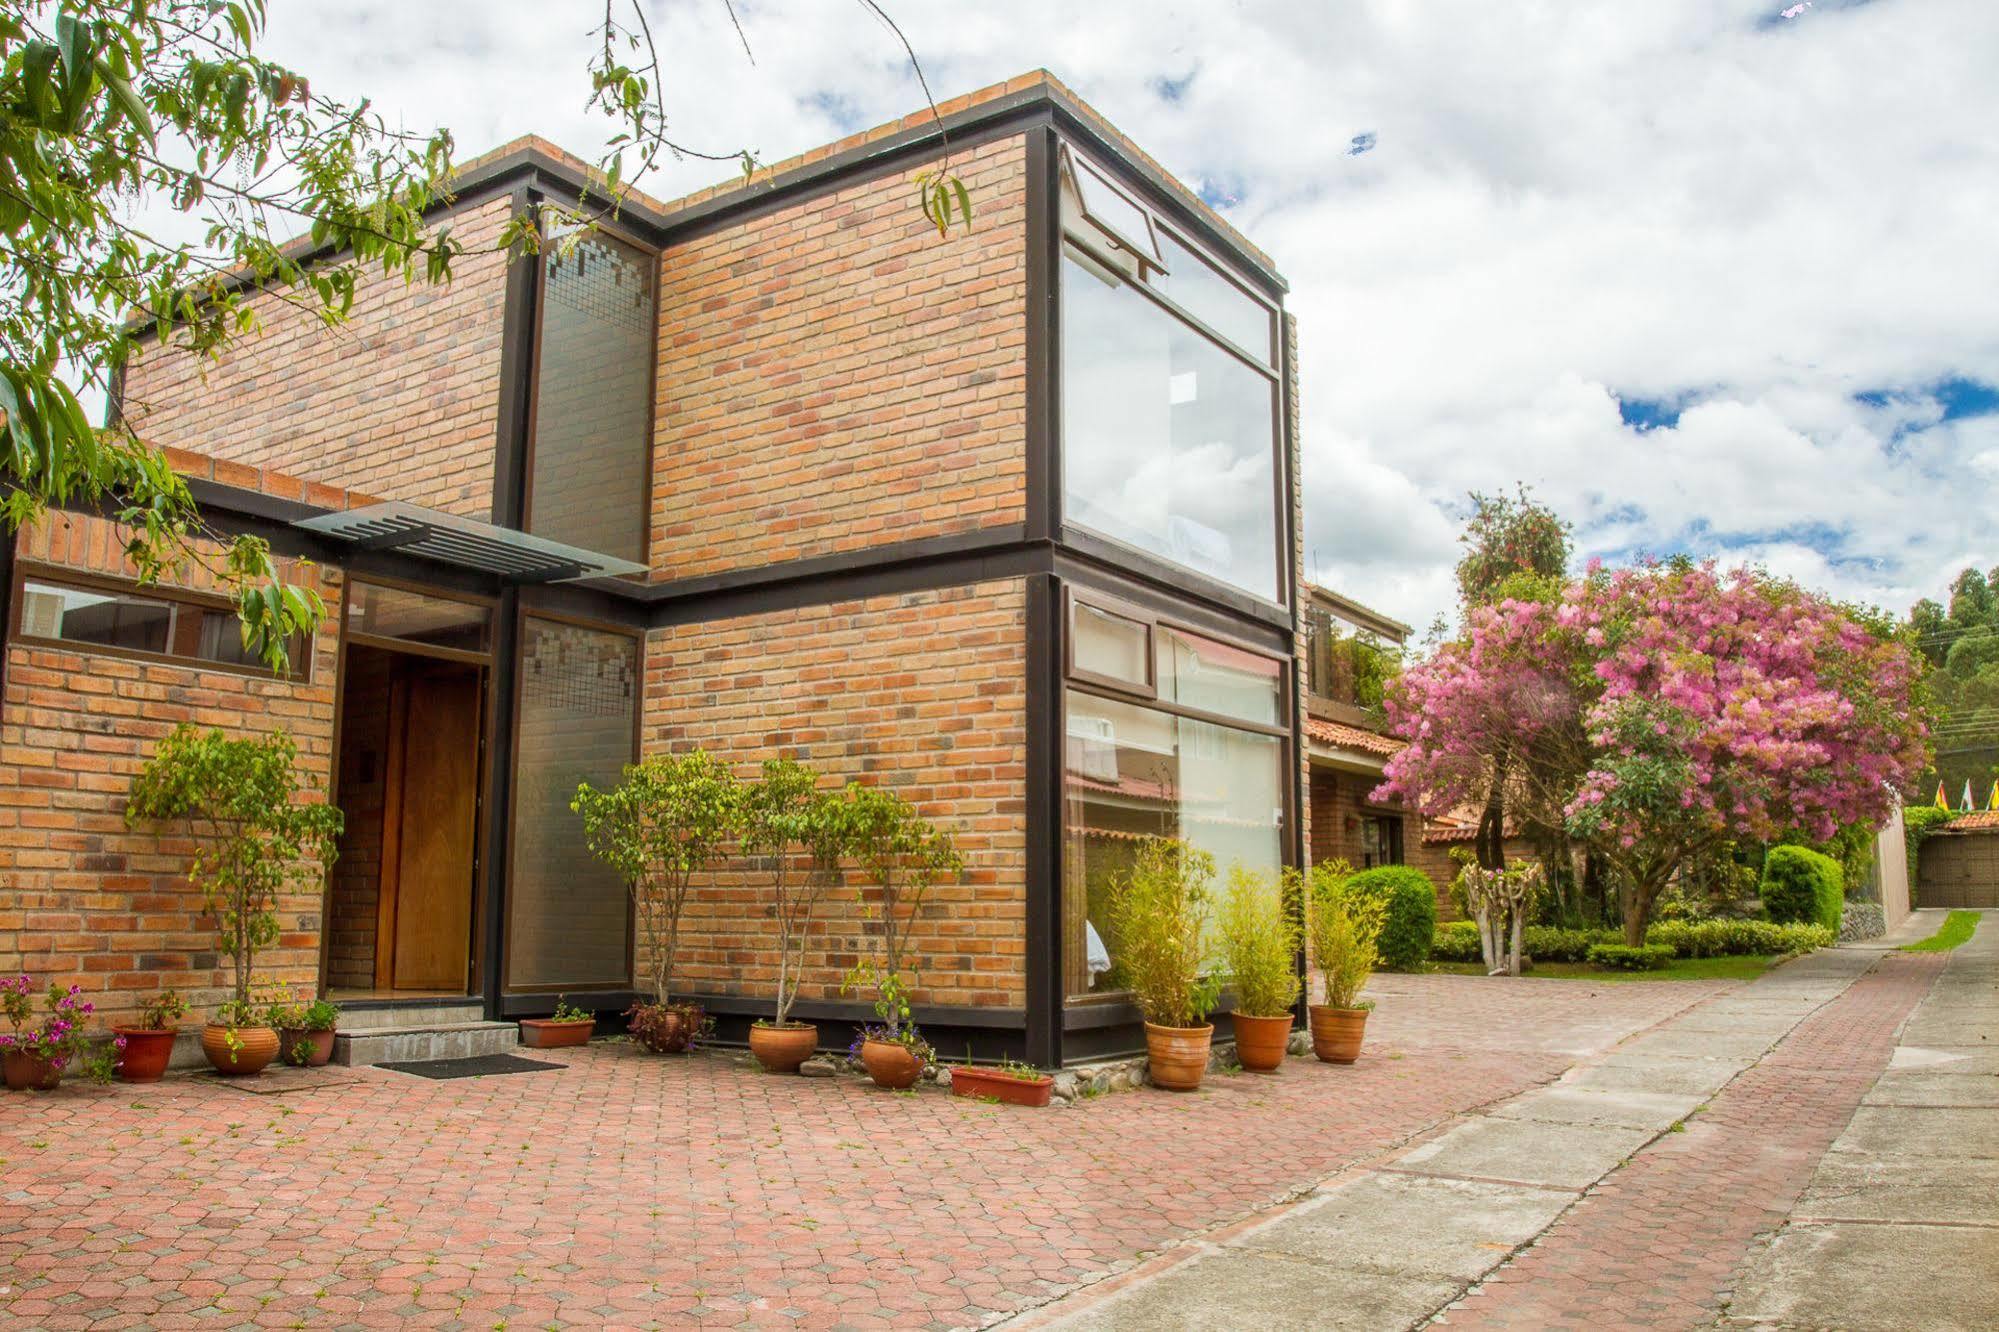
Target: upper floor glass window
column 590, row 478
column 124, row 620
column 1170, row 396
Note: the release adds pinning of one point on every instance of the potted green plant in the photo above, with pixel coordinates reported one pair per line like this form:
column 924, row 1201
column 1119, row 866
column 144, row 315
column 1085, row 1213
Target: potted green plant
column 254, row 840
column 567, row 1026
column 795, row 835
column 1008, row 1081
column 661, row 826
column 1345, row 926
column 901, row 856
column 305, row 1031
column 1260, row 955
column 35, row 1054
column 149, row 1047
column 1159, row 911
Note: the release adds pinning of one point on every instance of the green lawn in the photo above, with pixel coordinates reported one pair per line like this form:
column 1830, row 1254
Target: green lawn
column 1682, row 969
column 1957, row 928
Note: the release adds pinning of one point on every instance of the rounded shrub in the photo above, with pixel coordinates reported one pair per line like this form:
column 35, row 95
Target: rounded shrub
column 1622, row 957
column 1411, row 923
column 1456, row 941
column 1802, row 886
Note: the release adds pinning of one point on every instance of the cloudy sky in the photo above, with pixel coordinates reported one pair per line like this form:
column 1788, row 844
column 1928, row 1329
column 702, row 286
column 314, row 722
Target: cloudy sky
column 1707, row 277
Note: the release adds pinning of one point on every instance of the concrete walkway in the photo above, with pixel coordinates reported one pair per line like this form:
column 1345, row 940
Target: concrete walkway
column 1899, row 1227
column 1635, row 1190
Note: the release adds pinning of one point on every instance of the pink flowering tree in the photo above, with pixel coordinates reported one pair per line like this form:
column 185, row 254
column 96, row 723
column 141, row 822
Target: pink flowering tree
column 1657, row 712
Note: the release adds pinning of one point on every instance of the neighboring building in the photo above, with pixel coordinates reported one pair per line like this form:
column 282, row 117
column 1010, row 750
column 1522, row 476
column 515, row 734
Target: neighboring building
column 1006, row 522
column 1958, row 863
column 1350, row 652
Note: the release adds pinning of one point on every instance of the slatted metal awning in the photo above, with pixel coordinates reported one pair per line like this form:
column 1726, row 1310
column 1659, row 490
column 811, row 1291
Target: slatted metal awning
column 517, row 557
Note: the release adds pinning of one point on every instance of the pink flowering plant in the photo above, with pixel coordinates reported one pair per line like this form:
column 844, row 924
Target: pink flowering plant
column 59, row 1037
column 1656, row 712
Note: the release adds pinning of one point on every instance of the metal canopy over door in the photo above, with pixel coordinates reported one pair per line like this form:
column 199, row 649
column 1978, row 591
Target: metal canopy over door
column 428, row 886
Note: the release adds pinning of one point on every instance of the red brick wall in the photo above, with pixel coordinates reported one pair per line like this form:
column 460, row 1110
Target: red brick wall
column 400, row 403
column 834, row 376
column 1337, row 797
column 922, row 693
column 81, row 898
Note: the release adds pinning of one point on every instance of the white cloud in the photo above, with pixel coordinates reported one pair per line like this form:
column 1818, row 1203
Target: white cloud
column 1566, row 204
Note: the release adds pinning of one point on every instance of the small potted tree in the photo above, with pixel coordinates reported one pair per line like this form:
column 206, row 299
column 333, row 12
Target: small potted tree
column 1260, row 953
column 1159, row 911
column 795, row 835
column 254, row 839
column 663, row 824
column 901, row 856
column 1345, row 925
column 149, row 1047
column 567, row 1026
column 305, row 1031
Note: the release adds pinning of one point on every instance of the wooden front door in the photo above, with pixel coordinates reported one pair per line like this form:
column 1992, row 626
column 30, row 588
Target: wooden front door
column 433, row 808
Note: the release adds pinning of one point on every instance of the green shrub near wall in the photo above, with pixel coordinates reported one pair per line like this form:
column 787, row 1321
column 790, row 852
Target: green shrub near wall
column 1800, row 885
column 1411, row 924
column 1621, row 957
column 1457, row 941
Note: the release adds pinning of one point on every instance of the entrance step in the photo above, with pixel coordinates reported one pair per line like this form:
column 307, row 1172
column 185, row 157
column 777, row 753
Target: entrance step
column 425, row 1040
column 360, row 1015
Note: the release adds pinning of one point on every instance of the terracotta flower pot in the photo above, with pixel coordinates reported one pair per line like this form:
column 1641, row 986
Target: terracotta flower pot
column 548, row 1034
column 671, row 1031
column 890, row 1065
column 969, row 1081
column 783, row 1049
column 26, row 1072
column 317, row 1045
column 254, row 1048
column 1178, row 1055
column 146, row 1054
column 1261, row 1042
column 1337, row 1032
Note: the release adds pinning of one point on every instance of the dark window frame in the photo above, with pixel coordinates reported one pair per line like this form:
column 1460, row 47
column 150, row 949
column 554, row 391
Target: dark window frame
column 1110, row 687
column 414, row 646
column 58, row 575
column 533, row 374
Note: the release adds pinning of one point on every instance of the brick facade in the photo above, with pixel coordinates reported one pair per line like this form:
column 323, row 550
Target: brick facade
column 1339, row 800
column 833, row 377
column 87, row 900
column 401, row 402
column 923, row 694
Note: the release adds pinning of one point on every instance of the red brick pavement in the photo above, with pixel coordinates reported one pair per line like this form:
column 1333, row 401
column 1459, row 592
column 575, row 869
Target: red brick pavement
column 633, row 1190
column 1661, row 1242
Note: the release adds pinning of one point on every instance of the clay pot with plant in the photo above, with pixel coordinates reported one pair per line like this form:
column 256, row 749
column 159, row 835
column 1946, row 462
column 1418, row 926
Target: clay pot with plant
column 1345, row 927
column 1159, row 910
column 663, row 825
column 35, row 1054
column 566, row 1027
column 796, row 836
column 305, row 1032
column 901, row 856
column 1007, row 1082
column 1259, row 938
column 149, row 1047
column 254, row 840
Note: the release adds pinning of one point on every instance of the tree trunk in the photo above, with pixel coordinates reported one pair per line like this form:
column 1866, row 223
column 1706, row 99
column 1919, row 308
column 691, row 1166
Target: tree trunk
column 1637, row 899
column 1513, row 954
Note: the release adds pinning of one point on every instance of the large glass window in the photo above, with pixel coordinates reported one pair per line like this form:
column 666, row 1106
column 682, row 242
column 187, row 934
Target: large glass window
column 379, row 611
column 1216, row 301
column 1134, row 774
column 1169, row 442
column 131, row 621
column 593, row 397
column 569, row 917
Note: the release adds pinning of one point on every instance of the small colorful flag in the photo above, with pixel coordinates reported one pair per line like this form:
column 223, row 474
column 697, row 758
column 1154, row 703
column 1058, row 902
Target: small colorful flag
column 1942, row 802
column 1967, row 795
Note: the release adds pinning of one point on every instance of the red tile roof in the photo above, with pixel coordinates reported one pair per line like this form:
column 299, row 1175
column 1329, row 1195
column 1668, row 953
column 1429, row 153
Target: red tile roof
column 1342, row 736
column 1979, row 820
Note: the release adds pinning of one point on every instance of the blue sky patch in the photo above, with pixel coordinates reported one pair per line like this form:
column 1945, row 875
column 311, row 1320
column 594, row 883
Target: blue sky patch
column 1174, row 90
column 1958, row 396
column 1643, row 414
column 1361, row 143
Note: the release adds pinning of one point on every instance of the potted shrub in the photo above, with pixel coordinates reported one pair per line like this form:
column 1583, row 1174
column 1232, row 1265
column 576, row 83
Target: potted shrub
column 901, row 855
column 35, row 1054
column 253, row 841
column 1010, row 1082
column 305, row 1032
column 567, row 1026
column 796, row 836
column 663, row 824
column 1345, row 925
column 1260, row 953
column 1159, row 915
column 149, row 1047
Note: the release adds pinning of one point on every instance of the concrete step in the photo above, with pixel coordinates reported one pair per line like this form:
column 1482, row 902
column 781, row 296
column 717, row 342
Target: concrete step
column 363, row 1015
column 430, row 1040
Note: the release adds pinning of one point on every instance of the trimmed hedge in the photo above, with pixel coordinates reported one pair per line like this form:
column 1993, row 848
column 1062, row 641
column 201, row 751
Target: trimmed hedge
column 1801, row 885
column 1623, row 957
column 1457, row 941
column 1411, row 924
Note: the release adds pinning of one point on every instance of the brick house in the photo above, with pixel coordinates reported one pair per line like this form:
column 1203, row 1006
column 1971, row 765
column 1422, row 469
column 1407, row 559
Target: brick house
column 1347, row 647
column 769, row 469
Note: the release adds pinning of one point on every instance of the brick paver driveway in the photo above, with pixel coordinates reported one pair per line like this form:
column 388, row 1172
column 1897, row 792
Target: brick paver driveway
column 630, row 1190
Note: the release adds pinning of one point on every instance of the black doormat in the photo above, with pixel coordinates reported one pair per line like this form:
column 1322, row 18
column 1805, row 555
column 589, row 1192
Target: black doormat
column 477, row 1066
